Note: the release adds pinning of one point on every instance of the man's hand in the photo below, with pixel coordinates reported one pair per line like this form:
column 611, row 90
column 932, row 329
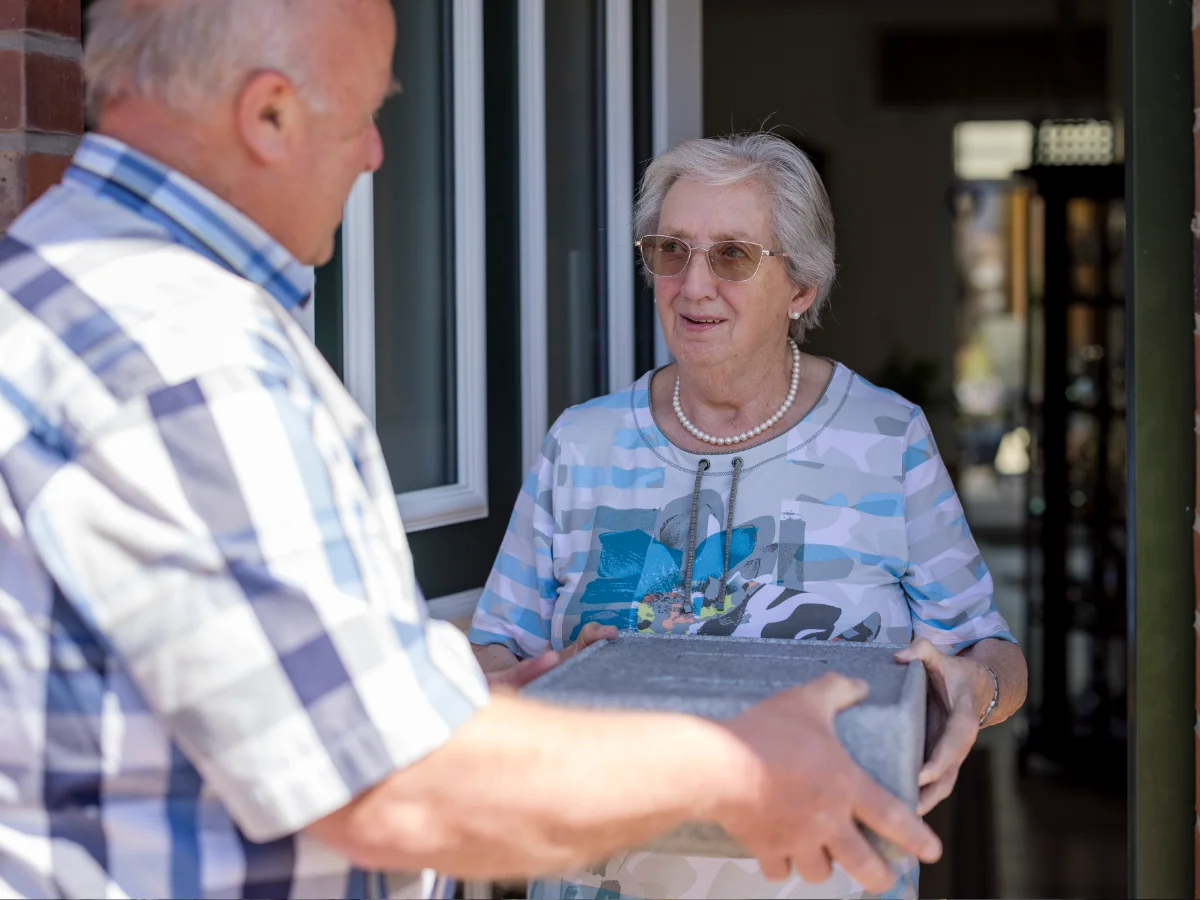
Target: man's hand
column 811, row 797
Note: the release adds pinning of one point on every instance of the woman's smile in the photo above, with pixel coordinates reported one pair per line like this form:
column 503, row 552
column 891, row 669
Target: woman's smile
column 700, row 324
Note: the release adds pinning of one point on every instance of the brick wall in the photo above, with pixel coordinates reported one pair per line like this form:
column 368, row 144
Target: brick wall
column 41, row 98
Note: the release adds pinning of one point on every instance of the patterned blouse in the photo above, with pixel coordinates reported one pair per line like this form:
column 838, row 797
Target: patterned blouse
column 846, row 527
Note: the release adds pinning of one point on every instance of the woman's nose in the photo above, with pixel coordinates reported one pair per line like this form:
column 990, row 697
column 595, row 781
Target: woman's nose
column 698, row 279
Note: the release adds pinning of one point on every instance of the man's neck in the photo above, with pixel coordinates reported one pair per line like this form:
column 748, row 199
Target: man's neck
column 192, row 147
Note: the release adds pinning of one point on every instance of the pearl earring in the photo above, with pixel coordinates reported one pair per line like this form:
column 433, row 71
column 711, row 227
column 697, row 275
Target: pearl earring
column 794, row 314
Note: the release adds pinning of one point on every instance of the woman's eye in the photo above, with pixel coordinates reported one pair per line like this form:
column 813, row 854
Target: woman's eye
column 672, row 247
column 733, row 251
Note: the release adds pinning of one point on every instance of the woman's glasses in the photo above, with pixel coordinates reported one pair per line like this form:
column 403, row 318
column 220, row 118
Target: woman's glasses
column 667, row 256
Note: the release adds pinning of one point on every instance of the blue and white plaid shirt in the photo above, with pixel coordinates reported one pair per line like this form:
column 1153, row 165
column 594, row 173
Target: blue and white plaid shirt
column 209, row 631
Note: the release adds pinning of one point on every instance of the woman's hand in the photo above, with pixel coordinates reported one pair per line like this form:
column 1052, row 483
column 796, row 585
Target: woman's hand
column 505, row 673
column 963, row 688
column 516, row 676
column 588, row 635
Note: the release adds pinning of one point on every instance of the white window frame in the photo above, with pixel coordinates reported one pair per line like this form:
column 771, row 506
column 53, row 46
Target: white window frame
column 618, row 92
column 678, row 66
column 531, row 128
column 466, row 498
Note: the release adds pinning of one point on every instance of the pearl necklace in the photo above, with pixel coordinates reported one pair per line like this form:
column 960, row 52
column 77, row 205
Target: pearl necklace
column 757, row 430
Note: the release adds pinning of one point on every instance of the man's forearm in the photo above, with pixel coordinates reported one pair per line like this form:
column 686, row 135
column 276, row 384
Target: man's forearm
column 498, row 799
column 1008, row 662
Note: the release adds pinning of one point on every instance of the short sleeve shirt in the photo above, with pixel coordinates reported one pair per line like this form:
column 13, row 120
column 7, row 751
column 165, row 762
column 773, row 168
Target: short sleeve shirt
column 844, row 528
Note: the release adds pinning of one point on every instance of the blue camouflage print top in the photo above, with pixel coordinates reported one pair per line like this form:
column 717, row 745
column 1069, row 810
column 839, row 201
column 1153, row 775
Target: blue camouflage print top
column 845, row 527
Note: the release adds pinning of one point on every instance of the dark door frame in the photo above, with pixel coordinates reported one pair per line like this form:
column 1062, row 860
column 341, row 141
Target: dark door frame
column 1162, row 447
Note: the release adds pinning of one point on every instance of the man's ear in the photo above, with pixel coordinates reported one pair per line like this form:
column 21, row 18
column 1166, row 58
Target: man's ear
column 267, row 116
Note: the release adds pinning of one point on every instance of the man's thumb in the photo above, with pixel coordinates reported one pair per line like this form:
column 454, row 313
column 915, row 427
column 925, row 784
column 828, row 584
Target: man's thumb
column 838, row 692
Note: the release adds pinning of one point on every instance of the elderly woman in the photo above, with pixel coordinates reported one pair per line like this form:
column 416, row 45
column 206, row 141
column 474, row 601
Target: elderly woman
column 748, row 489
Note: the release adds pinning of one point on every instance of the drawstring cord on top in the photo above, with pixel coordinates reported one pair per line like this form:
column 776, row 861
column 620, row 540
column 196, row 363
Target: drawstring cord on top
column 737, row 473
column 690, row 557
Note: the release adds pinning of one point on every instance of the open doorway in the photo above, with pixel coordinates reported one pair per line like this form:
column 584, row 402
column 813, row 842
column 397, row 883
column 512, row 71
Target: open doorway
column 936, row 122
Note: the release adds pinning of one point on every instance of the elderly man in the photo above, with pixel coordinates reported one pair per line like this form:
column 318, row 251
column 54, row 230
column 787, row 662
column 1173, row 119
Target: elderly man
column 216, row 676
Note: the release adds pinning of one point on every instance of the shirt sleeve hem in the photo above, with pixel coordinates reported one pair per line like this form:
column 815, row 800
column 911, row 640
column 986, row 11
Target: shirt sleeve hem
column 1000, row 633
column 287, row 802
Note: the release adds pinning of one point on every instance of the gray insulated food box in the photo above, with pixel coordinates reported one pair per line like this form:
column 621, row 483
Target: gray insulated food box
column 720, row 677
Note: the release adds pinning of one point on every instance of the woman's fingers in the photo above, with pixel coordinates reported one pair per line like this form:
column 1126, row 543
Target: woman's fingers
column 956, row 742
column 589, row 634
column 935, row 662
column 921, row 649
column 949, row 678
column 516, row 677
column 933, row 794
column 594, row 631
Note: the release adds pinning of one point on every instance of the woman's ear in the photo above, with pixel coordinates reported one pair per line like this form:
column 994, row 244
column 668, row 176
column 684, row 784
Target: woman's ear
column 804, row 297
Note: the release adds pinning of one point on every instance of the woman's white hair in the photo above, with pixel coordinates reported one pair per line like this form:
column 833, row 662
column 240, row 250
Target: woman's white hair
column 188, row 53
column 801, row 218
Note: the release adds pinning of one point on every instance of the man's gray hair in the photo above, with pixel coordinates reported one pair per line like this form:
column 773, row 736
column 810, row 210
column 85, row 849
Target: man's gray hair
column 188, row 53
column 801, row 218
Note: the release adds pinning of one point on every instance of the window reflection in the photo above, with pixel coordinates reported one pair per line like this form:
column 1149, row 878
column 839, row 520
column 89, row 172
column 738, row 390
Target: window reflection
column 574, row 213
column 414, row 285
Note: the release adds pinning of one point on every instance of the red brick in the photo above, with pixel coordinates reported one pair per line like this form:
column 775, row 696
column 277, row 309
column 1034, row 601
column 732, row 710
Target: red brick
column 12, row 186
column 12, row 15
column 1196, row 577
column 54, row 94
column 61, row 17
column 1196, row 571
column 1196, row 294
column 12, row 90
column 1196, row 351
column 1196, row 66
column 1196, row 154
column 42, row 172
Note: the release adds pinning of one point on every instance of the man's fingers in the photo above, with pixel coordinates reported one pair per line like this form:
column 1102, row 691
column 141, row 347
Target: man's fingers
column 852, row 852
column 836, row 692
column 775, row 868
column 812, row 864
column 893, row 821
column 952, row 748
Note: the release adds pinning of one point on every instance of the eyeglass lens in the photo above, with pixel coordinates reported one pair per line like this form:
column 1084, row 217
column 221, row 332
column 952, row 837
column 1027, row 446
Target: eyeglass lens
column 729, row 260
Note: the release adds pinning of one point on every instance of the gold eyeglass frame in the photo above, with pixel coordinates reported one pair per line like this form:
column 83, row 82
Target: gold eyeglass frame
column 763, row 252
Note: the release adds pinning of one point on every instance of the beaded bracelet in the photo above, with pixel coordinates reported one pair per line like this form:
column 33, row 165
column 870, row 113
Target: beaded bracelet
column 987, row 713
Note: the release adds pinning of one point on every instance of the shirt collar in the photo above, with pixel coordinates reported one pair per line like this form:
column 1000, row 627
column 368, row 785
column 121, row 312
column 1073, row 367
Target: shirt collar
column 192, row 215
